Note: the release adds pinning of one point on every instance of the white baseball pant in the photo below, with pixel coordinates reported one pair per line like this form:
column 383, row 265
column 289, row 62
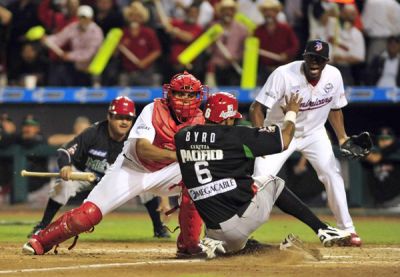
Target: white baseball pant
column 123, row 181
column 317, row 149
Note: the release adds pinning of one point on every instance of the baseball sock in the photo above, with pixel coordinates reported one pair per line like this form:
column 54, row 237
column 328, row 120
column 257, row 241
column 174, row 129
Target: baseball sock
column 152, row 207
column 51, row 210
column 289, row 203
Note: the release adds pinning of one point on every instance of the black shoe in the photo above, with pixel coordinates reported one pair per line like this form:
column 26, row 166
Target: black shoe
column 162, row 233
column 38, row 227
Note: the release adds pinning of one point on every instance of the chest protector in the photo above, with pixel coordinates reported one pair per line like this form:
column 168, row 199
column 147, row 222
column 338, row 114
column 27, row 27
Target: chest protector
column 166, row 128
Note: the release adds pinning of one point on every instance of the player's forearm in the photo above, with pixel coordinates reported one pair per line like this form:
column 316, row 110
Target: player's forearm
column 257, row 114
column 147, row 151
column 336, row 120
column 287, row 133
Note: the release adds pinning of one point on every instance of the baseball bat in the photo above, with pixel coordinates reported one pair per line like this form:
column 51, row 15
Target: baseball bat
column 54, row 47
column 228, row 56
column 75, row 176
column 128, row 54
column 270, row 55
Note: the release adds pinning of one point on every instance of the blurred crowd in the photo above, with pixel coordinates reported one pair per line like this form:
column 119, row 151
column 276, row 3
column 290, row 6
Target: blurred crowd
column 364, row 36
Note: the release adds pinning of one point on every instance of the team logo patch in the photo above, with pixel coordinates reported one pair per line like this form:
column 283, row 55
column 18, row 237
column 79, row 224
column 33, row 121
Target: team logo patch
column 228, row 113
column 328, row 87
column 318, row 46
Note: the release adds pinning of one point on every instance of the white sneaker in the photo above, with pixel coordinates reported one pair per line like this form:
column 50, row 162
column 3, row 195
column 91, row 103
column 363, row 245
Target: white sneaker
column 212, row 247
column 332, row 236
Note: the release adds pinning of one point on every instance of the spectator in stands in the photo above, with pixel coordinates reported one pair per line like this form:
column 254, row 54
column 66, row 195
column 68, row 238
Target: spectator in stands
column 108, row 15
column 383, row 166
column 80, row 124
column 296, row 12
column 227, row 52
column 55, row 17
column 84, row 37
column 29, row 138
column 348, row 51
column 323, row 21
column 384, row 71
column 5, row 19
column 24, row 16
column 278, row 39
column 381, row 20
column 182, row 33
column 139, row 48
column 33, row 63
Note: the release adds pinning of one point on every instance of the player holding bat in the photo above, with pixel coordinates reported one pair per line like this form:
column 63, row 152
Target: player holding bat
column 94, row 150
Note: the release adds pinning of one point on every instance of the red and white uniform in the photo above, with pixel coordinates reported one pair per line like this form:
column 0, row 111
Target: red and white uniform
column 310, row 136
column 129, row 176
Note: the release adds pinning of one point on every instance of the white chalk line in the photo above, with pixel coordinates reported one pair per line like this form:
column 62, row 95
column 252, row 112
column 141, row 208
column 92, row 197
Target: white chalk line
column 108, row 251
column 90, row 266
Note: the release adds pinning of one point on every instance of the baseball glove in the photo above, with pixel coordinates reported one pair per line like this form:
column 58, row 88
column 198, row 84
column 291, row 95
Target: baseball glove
column 357, row 146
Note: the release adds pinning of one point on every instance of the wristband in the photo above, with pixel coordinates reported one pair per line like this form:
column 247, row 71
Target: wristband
column 290, row 116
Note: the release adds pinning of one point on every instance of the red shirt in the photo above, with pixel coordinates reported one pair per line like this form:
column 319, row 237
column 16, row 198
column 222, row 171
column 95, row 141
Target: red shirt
column 281, row 40
column 178, row 45
column 141, row 46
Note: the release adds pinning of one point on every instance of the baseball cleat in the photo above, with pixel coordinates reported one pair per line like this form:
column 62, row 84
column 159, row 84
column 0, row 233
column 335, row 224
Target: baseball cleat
column 330, row 236
column 33, row 247
column 162, row 233
column 38, row 227
column 355, row 240
column 197, row 253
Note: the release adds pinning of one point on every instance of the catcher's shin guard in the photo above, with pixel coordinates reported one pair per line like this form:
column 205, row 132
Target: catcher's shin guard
column 190, row 226
column 70, row 224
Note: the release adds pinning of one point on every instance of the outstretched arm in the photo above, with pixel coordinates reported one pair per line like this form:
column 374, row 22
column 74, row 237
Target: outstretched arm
column 336, row 120
column 148, row 151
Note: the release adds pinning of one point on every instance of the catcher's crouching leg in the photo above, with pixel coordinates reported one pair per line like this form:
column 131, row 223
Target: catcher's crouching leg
column 190, row 227
column 70, row 224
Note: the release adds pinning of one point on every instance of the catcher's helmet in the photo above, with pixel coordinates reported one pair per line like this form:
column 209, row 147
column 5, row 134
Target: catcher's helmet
column 183, row 107
column 122, row 105
column 221, row 106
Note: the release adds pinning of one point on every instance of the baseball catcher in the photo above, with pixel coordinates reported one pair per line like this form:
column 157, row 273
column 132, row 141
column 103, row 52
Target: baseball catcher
column 357, row 146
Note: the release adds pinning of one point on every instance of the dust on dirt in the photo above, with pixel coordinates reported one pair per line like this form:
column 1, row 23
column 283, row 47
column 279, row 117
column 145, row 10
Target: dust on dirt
column 158, row 259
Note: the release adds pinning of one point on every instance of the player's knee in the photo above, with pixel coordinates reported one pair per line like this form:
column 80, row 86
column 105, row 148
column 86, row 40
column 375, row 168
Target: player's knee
column 84, row 218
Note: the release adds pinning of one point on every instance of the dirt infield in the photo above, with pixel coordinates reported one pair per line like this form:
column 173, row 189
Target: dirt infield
column 158, row 259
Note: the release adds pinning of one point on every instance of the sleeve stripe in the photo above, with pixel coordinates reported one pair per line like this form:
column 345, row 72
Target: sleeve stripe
column 65, row 152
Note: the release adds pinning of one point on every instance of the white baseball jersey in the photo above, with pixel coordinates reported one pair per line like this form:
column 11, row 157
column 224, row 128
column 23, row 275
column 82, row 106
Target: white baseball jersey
column 317, row 101
column 127, row 177
column 143, row 128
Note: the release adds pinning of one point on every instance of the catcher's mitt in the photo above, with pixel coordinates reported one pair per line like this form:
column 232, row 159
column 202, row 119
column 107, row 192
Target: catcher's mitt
column 357, row 146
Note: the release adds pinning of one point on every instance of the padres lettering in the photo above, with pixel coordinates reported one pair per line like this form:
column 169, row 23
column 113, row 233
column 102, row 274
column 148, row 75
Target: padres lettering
column 201, row 155
column 212, row 189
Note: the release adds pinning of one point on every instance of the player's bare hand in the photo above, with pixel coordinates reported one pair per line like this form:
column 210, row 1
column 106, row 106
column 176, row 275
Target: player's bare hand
column 65, row 172
column 292, row 103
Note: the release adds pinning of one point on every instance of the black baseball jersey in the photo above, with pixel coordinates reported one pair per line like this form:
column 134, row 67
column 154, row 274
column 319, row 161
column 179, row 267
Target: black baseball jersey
column 217, row 163
column 91, row 151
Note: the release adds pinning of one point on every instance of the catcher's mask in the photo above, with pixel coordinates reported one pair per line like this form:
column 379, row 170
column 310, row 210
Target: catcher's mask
column 221, row 106
column 184, row 95
column 122, row 105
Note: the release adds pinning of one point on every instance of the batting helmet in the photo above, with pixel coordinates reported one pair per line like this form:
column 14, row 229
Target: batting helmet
column 122, row 105
column 221, row 106
column 184, row 107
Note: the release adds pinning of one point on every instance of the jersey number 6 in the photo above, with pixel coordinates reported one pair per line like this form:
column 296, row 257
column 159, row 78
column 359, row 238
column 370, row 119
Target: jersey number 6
column 202, row 173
